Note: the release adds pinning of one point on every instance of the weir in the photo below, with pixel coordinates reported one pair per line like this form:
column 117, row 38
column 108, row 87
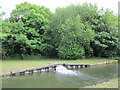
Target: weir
column 51, row 67
column 46, row 69
column 62, row 70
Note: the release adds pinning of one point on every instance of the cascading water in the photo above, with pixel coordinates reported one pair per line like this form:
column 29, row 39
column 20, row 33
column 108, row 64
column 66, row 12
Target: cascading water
column 62, row 70
column 71, row 76
column 64, row 78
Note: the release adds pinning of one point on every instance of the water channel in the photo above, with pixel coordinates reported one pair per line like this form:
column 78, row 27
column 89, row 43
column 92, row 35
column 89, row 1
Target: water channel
column 64, row 78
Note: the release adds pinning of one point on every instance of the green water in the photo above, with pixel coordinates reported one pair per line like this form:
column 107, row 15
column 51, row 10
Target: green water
column 84, row 77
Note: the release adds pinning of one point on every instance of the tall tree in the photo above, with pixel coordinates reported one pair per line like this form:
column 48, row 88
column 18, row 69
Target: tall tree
column 105, row 43
column 28, row 24
column 2, row 54
column 102, row 22
column 68, row 33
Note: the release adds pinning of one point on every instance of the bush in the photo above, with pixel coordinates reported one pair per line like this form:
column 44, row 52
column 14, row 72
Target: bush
column 70, row 51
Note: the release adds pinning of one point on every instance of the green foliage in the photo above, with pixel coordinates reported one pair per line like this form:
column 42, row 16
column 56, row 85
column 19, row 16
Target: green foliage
column 70, row 51
column 68, row 34
column 13, row 41
column 73, row 32
column 73, row 27
column 108, row 22
column 105, row 45
column 24, row 32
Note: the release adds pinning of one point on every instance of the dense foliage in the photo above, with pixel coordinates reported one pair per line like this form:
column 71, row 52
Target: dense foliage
column 24, row 31
column 74, row 32
column 83, row 30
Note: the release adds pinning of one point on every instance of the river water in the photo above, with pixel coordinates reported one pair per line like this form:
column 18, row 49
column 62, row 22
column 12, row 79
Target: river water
column 64, row 78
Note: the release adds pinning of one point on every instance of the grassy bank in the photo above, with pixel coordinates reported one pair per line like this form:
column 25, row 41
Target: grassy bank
column 113, row 83
column 14, row 65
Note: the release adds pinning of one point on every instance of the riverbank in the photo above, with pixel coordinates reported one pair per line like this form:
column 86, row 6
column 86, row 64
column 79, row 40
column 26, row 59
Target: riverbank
column 15, row 65
column 113, row 83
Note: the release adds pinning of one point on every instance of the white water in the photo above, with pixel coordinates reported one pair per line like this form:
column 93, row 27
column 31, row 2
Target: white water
column 61, row 69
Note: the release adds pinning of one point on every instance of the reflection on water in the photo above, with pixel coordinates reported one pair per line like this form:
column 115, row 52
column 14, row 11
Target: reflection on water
column 79, row 78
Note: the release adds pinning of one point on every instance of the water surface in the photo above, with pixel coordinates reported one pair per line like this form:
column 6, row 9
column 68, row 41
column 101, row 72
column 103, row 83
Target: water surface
column 79, row 78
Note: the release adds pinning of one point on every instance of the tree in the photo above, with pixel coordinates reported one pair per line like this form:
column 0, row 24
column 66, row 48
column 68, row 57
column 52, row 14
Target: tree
column 2, row 54
column 68, row 34
column 73, row 32
column 27, row 25
column 108, row 22
column 12, row 38
column 98, row 33
column 118, row 34
column 105, row 45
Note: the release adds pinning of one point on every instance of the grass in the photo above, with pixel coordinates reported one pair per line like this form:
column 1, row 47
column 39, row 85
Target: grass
column 113, row 83
column 14, row 65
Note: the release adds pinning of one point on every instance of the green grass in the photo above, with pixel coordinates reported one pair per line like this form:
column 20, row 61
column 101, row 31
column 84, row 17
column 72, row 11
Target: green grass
column 14, row 65
column 113, row 83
